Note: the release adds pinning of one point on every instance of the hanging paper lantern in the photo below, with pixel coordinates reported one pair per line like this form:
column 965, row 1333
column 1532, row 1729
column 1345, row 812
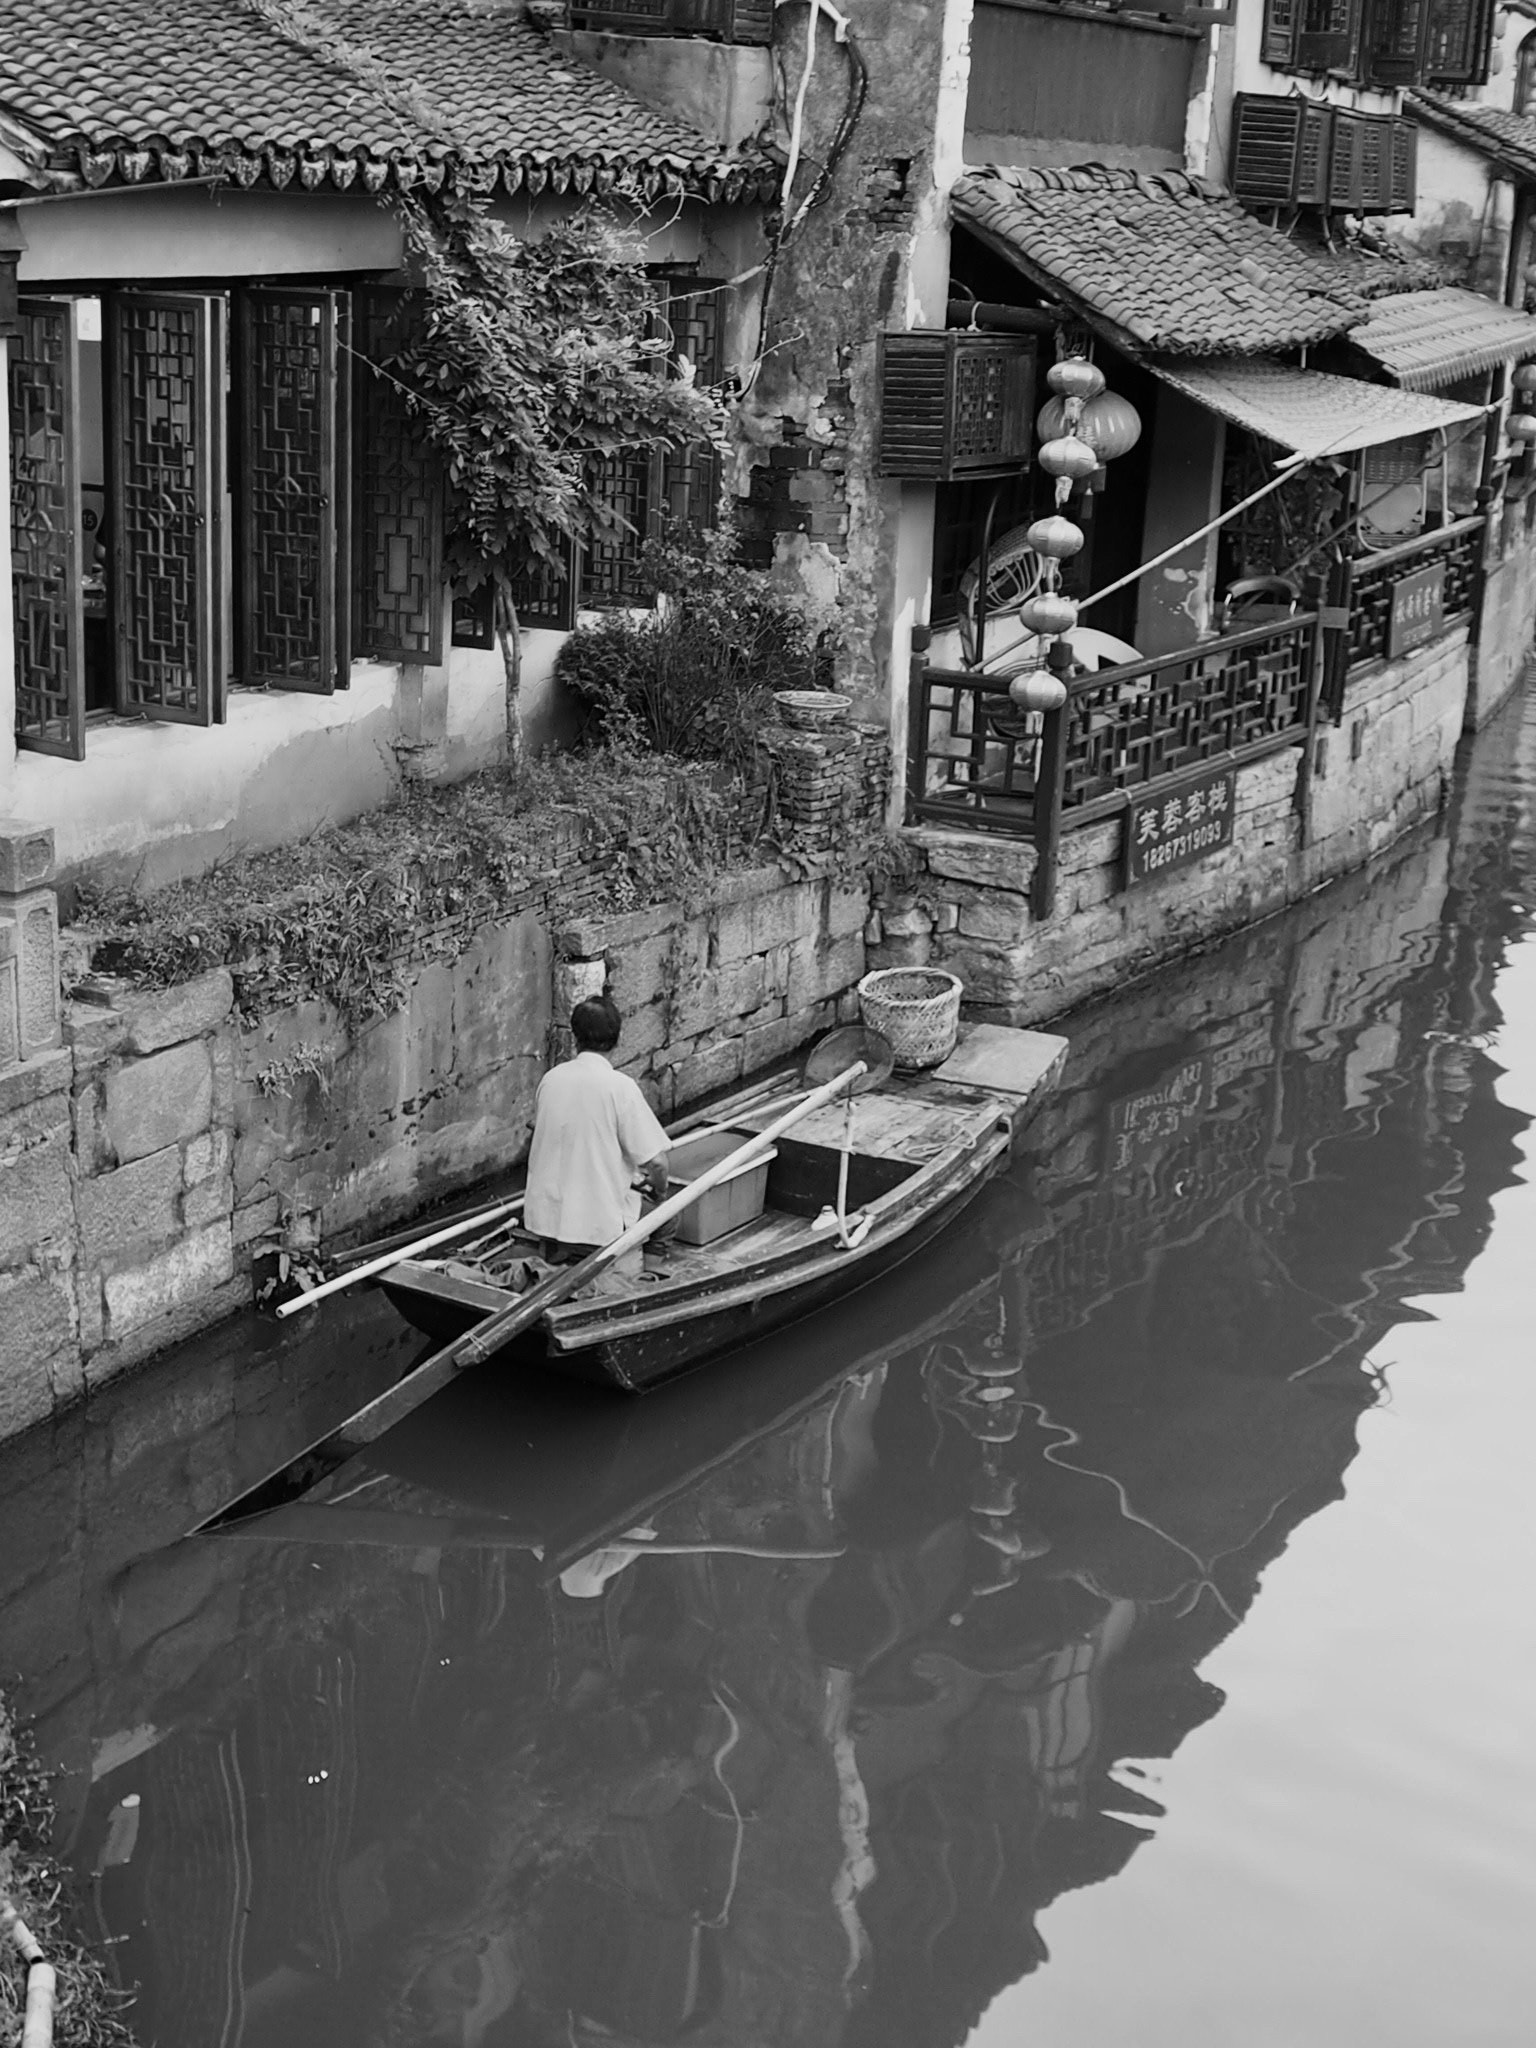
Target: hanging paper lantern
column 1056, row 538
column 1067, row 456
column 1110, row 424
column 1038, row 690
column 1048, row 612
column 1075, row 377
column 1521, row 426
column 1525, row 377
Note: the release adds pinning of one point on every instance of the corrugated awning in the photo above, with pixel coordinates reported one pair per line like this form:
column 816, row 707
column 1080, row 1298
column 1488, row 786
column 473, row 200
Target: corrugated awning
column 1425, row 339
column 1307, row 411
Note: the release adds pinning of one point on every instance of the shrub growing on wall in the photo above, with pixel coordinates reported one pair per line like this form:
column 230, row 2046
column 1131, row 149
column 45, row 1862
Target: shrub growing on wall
column 695, row 677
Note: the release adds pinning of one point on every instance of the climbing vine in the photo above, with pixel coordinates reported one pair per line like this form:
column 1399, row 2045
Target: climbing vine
column 532, row 361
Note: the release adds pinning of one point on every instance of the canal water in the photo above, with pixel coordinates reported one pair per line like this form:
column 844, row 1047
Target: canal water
column 1114, row 1630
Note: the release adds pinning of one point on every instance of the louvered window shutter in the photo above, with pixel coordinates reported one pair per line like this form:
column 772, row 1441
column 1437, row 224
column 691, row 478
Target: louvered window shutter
column 1282, row 23
column 1375, row 164
column 1329, row 36
column 1280, row 150
column 46, row 584
column 1458, row 42
column 164, row 394
column 1266, row 140
column 290, row 499
column 397, row 497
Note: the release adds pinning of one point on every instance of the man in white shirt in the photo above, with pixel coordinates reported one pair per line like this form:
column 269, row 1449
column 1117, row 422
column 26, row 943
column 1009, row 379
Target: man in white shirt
column 594, row 1135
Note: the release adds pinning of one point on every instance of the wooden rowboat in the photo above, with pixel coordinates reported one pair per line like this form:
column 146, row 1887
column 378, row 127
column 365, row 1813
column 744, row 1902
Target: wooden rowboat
column 920, row 1147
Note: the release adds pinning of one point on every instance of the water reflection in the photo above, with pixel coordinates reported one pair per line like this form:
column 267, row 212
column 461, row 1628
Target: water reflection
column 776, row 1709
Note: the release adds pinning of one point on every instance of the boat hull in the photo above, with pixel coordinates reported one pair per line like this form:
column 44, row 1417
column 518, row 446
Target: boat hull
column 715, row 1321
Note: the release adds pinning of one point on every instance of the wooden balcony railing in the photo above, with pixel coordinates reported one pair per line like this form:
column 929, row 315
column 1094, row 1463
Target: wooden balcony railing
column 975, row 760
column 1375, row 577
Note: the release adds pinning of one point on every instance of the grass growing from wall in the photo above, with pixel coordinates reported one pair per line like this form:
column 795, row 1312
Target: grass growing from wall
column 334, row 917
column 89, row 2012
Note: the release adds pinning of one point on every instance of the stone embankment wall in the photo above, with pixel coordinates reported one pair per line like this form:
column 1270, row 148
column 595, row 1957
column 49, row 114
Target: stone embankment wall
column 155, row 1146
column 1384, row 766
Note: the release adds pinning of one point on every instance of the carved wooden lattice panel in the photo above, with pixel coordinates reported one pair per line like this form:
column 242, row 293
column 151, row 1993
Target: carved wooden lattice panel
column 287, row 498
column 1137, row 725
column 691, row 476
column 397, row 504
column 611, row 569
column 45, row 531
column 165, row 355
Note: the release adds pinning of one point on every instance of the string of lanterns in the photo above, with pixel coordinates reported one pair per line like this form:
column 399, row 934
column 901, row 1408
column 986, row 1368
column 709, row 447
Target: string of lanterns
column 1082, row 426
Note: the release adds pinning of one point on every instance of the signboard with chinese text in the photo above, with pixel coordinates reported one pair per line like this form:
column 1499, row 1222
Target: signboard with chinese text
column 1177, row 826
column 1141, row 1124
column 1418, row 609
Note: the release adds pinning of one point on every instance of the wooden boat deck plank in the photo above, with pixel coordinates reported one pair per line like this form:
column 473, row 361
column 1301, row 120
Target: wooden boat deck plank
column 912, row 1123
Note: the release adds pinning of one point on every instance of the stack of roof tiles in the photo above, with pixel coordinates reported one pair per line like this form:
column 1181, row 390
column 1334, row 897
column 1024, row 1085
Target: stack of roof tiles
column 1163, row 262
column 462, row 92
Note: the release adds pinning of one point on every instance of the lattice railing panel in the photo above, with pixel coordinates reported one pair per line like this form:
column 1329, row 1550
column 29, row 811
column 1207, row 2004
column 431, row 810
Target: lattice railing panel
column 45, row 533
column 167, row 369
column 972, row 756
column 288, row 486
column 1460, row 546
column 397, row 506
column 1128, row 727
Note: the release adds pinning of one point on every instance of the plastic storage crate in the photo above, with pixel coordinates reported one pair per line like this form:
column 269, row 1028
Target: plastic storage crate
column 733, row 1202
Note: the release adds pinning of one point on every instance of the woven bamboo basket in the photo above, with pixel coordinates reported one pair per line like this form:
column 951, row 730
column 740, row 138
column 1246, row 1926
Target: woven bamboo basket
column 812, row 710
column 916, row 1010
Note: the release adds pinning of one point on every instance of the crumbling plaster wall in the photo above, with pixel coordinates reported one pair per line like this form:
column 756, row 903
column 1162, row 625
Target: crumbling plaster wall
column 873, row 256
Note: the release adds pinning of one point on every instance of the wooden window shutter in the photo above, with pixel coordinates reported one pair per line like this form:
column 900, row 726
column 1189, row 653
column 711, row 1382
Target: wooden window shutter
column 290, row 497
column 1396, row 53
column 1329, row 36
column 1405, row 166
column 1282, row 25
column 46, row 539
column 164, row 398
column 1375, row 164
column 546, row 596
column 1344, row 160
column 1458, row 43
column 689, row 494
column 1280, row 150
column 397, row 500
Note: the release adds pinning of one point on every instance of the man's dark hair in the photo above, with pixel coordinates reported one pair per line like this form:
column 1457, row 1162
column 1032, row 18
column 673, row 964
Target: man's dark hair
column 595, row 1024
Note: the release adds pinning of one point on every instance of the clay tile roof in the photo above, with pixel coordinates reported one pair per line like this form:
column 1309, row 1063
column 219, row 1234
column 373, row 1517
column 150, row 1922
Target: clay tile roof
column 1422, row 339
column 334, row 92
column 1167, row 263
column 1508, row 138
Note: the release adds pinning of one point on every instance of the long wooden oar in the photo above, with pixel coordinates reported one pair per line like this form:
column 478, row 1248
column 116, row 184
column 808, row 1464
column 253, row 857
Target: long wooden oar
column 322, row 1457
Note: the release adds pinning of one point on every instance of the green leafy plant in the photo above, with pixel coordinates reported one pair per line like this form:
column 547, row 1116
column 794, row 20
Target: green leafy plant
column 696, row 677
column 533, row 359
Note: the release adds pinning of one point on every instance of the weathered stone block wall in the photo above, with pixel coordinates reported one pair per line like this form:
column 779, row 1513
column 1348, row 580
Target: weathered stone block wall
column 713, row 994
column 1506, row 632
column 968, row 910
column 161, row 1146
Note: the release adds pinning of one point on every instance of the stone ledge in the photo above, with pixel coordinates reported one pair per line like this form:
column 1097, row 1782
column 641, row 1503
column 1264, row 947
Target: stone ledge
column 40, row 1076
column 157, row 1018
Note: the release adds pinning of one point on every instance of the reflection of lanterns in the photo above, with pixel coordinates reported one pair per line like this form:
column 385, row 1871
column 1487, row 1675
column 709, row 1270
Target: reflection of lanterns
column 1069, row 456
column 1075, row 377
column 1524, row 378
column 1055, row 537
column 1521, row 426
column 1048, row 613
column 1038, row 690
column 1110, row 424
